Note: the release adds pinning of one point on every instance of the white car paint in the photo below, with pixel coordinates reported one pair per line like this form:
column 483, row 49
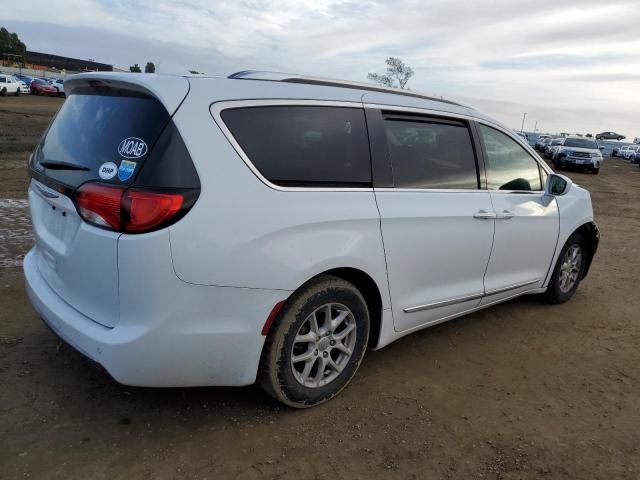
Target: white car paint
column 185, row 305
column 9, row 85
column 58, row 84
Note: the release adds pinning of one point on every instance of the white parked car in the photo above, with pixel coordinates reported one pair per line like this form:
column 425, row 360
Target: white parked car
column 219, row 231
column 631, row 151
column 24, row 88
column 578, row 152
column 58, row 84
column 9, row 85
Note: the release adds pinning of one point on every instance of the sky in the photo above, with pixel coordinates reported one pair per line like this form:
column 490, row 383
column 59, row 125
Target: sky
column 571, row 65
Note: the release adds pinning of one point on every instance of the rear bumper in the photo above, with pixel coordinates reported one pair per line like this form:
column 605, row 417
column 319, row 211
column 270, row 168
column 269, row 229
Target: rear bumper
column 199, row 336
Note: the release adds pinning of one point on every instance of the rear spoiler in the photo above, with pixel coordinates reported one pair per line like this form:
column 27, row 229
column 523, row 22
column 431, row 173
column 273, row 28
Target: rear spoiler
column 171, row 90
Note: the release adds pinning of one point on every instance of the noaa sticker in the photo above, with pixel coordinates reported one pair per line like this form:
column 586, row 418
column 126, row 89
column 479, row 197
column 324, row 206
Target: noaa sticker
column 108, row 170
column 126, row 170
column 132, row 147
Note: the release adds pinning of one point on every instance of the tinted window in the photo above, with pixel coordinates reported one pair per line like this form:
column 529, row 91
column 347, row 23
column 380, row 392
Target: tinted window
column 431, row 155
column 304, row 146
column 509, row 166
column 580, row 143
column 89, row 129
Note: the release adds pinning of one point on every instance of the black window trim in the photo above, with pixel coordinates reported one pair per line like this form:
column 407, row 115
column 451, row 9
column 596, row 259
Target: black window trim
column 526, row 147
column 216, row 109
column 381, row 162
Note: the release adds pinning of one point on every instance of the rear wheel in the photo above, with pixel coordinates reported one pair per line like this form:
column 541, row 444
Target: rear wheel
column 568, row 271
column 317, row 343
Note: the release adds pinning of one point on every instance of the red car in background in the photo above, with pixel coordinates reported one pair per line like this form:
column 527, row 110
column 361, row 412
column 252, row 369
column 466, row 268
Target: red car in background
column 41, row 87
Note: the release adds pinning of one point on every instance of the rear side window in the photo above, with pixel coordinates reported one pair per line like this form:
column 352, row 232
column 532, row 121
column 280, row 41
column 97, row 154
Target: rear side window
column 509, row 166
column 304, row 146
column 431, row 155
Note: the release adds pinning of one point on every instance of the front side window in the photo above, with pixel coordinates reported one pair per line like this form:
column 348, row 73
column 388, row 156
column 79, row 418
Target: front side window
column 509, row 166
column 431, row 155
column 309, row 146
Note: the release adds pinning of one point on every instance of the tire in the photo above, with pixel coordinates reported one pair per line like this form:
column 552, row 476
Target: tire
column 595, row 170
column 18, row 92
column 559, row 292
column 300, row 384
column 3, row 92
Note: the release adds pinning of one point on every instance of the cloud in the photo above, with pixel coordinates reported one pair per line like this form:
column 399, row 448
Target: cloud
column 573, row 56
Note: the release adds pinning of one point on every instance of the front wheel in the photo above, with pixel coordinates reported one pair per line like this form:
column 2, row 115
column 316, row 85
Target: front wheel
column 317, row 343
column 595, row 170
column 568, row 271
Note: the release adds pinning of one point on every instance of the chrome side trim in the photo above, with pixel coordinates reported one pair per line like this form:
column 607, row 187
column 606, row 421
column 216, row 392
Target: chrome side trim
column 218, row 107
column 467, row 298
column 444, row 303
column 515, row 286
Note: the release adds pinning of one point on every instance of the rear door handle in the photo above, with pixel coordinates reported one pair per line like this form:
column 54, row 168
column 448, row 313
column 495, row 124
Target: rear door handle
column 505, row 215
column 484, row 215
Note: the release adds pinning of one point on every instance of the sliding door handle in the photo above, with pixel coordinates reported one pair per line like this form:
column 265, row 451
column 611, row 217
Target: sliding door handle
column 484, row 215
column 505, row 215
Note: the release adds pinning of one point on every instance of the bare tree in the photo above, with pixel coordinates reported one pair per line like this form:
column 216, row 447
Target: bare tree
column 397, row 71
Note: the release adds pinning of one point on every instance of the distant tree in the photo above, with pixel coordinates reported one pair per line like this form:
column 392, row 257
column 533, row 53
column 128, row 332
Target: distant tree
column 589, row 135
column 195, row 72
column 135, row 68
column 397, row 71
column 10, row 43
column 150, row 68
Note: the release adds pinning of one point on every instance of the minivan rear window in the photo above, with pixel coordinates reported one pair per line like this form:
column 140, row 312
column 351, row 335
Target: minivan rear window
column 94, row 129
column 309, row 146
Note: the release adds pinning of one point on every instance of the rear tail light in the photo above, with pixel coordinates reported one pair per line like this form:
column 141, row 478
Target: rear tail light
column 132, row 210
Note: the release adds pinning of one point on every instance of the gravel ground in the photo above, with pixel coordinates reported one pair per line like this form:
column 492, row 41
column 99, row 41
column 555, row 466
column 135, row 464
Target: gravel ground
column 522, row 390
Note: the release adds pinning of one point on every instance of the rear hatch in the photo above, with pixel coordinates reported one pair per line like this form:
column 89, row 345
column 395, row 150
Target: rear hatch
column 99, row 141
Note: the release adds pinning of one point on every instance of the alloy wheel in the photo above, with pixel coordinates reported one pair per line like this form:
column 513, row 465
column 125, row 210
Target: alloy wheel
column 570, row 268
column 323, row 345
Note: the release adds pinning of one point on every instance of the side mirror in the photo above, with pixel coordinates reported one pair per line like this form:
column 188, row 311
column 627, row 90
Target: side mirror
column 557, row 185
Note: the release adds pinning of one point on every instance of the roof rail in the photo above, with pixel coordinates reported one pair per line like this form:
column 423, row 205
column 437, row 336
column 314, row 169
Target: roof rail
column 328, row 82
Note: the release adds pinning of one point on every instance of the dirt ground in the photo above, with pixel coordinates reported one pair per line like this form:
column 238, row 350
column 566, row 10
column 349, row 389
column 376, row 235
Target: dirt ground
column 522, row 390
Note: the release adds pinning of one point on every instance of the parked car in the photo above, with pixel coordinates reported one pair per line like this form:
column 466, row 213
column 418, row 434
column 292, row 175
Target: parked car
column 635, row 158
column 542, row 143
column 553, row 147
column 579, row 152
column 24, row 78
column 9, row 85
column 24, row 88
column 539, row 141
column 58, row 84
column 616, row 152
column 41, row 87
column 609, row 136
column 268, row 264
column 629, row 152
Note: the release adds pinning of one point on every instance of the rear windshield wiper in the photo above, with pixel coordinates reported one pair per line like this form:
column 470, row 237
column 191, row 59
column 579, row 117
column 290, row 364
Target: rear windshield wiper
column 57, row 165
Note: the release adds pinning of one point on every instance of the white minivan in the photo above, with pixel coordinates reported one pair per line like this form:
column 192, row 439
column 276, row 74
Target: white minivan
column 271, row 227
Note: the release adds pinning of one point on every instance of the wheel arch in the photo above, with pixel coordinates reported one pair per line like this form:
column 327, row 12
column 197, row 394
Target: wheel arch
column 591, row 235
column 369, row 290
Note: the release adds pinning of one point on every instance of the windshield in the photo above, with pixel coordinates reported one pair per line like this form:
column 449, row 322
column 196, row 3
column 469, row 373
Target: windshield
column 580, row 143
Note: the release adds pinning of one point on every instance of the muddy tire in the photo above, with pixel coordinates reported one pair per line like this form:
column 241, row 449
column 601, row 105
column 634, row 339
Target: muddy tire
column 316, row 344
